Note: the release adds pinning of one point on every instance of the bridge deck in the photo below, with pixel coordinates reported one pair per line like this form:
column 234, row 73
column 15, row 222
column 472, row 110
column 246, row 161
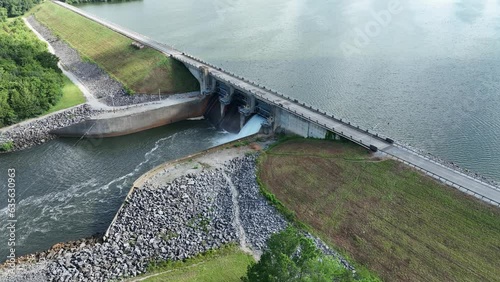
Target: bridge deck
column 452, row 177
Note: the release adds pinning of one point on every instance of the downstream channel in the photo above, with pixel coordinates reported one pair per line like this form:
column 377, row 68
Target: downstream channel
column 68, row 188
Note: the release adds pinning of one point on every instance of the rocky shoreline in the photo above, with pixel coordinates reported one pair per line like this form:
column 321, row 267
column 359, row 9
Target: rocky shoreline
column 189, row 215
column 111, row 93
column 103, row 87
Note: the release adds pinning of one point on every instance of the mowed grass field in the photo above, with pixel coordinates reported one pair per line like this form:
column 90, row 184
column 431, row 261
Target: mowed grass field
column 391, row 219
column 72, row 96
column 226, row 265
column 142, row 71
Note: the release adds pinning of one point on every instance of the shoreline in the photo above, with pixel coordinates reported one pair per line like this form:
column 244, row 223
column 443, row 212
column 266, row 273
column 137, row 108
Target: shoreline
column 493, row 183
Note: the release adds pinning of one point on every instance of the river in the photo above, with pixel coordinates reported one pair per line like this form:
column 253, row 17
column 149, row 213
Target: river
column 428, row 75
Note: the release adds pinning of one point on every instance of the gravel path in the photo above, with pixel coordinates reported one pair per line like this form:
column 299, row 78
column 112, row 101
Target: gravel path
column 259, row 219
column 237, row 220
column 95, row 79
column 104, row 95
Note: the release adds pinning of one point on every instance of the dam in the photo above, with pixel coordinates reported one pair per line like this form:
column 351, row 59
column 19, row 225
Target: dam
column 239, row 99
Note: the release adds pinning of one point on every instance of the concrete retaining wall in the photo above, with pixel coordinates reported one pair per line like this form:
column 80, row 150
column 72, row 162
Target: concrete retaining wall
column 130, row 123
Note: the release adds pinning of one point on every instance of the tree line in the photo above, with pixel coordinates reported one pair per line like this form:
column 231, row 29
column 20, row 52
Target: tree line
column 30, row 81
column 292, row 257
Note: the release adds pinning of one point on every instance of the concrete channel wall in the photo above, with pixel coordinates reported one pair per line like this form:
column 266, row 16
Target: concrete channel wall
column 294, row 116
column 127, row 123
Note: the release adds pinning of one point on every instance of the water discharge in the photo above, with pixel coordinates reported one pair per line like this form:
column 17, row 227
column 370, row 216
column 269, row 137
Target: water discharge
column 429, row 78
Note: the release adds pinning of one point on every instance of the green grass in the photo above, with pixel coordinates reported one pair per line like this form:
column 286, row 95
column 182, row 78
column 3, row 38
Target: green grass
column 393, row 220
column 226, row 264
column 72, row 96
column 142, row 71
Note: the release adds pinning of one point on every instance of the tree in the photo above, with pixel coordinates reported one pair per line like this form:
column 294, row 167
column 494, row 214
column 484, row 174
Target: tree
column 293, row 257
column 16, row 8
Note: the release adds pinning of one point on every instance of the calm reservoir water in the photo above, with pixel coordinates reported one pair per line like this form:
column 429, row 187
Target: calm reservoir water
column 428, row 74
column 68, row 189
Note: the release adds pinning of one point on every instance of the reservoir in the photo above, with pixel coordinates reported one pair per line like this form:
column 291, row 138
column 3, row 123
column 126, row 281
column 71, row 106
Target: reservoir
column 426, row 73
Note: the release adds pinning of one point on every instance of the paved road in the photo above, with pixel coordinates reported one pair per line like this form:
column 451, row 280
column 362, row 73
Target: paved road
column 455, row 178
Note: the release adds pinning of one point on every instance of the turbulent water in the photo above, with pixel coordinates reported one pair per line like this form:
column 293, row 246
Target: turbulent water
column 68, row 189
column 428, row 75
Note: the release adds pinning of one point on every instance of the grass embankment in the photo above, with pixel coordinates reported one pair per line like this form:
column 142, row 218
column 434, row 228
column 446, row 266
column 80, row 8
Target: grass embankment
column 226, row 264
column 400, row 224
column 142, row 71
column 72, row 96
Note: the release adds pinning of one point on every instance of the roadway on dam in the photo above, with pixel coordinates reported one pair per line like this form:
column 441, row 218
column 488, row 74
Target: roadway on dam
column 452, row 177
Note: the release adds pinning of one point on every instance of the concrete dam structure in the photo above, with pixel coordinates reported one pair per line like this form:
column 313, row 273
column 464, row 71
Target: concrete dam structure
column 231, row 100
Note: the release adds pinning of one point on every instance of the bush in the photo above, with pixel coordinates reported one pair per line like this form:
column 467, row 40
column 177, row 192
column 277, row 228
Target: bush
column 14, row 8
column 3, row 14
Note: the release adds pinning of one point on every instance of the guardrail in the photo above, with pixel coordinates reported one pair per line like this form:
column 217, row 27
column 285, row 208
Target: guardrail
column 446, row 181
column 316, row 110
